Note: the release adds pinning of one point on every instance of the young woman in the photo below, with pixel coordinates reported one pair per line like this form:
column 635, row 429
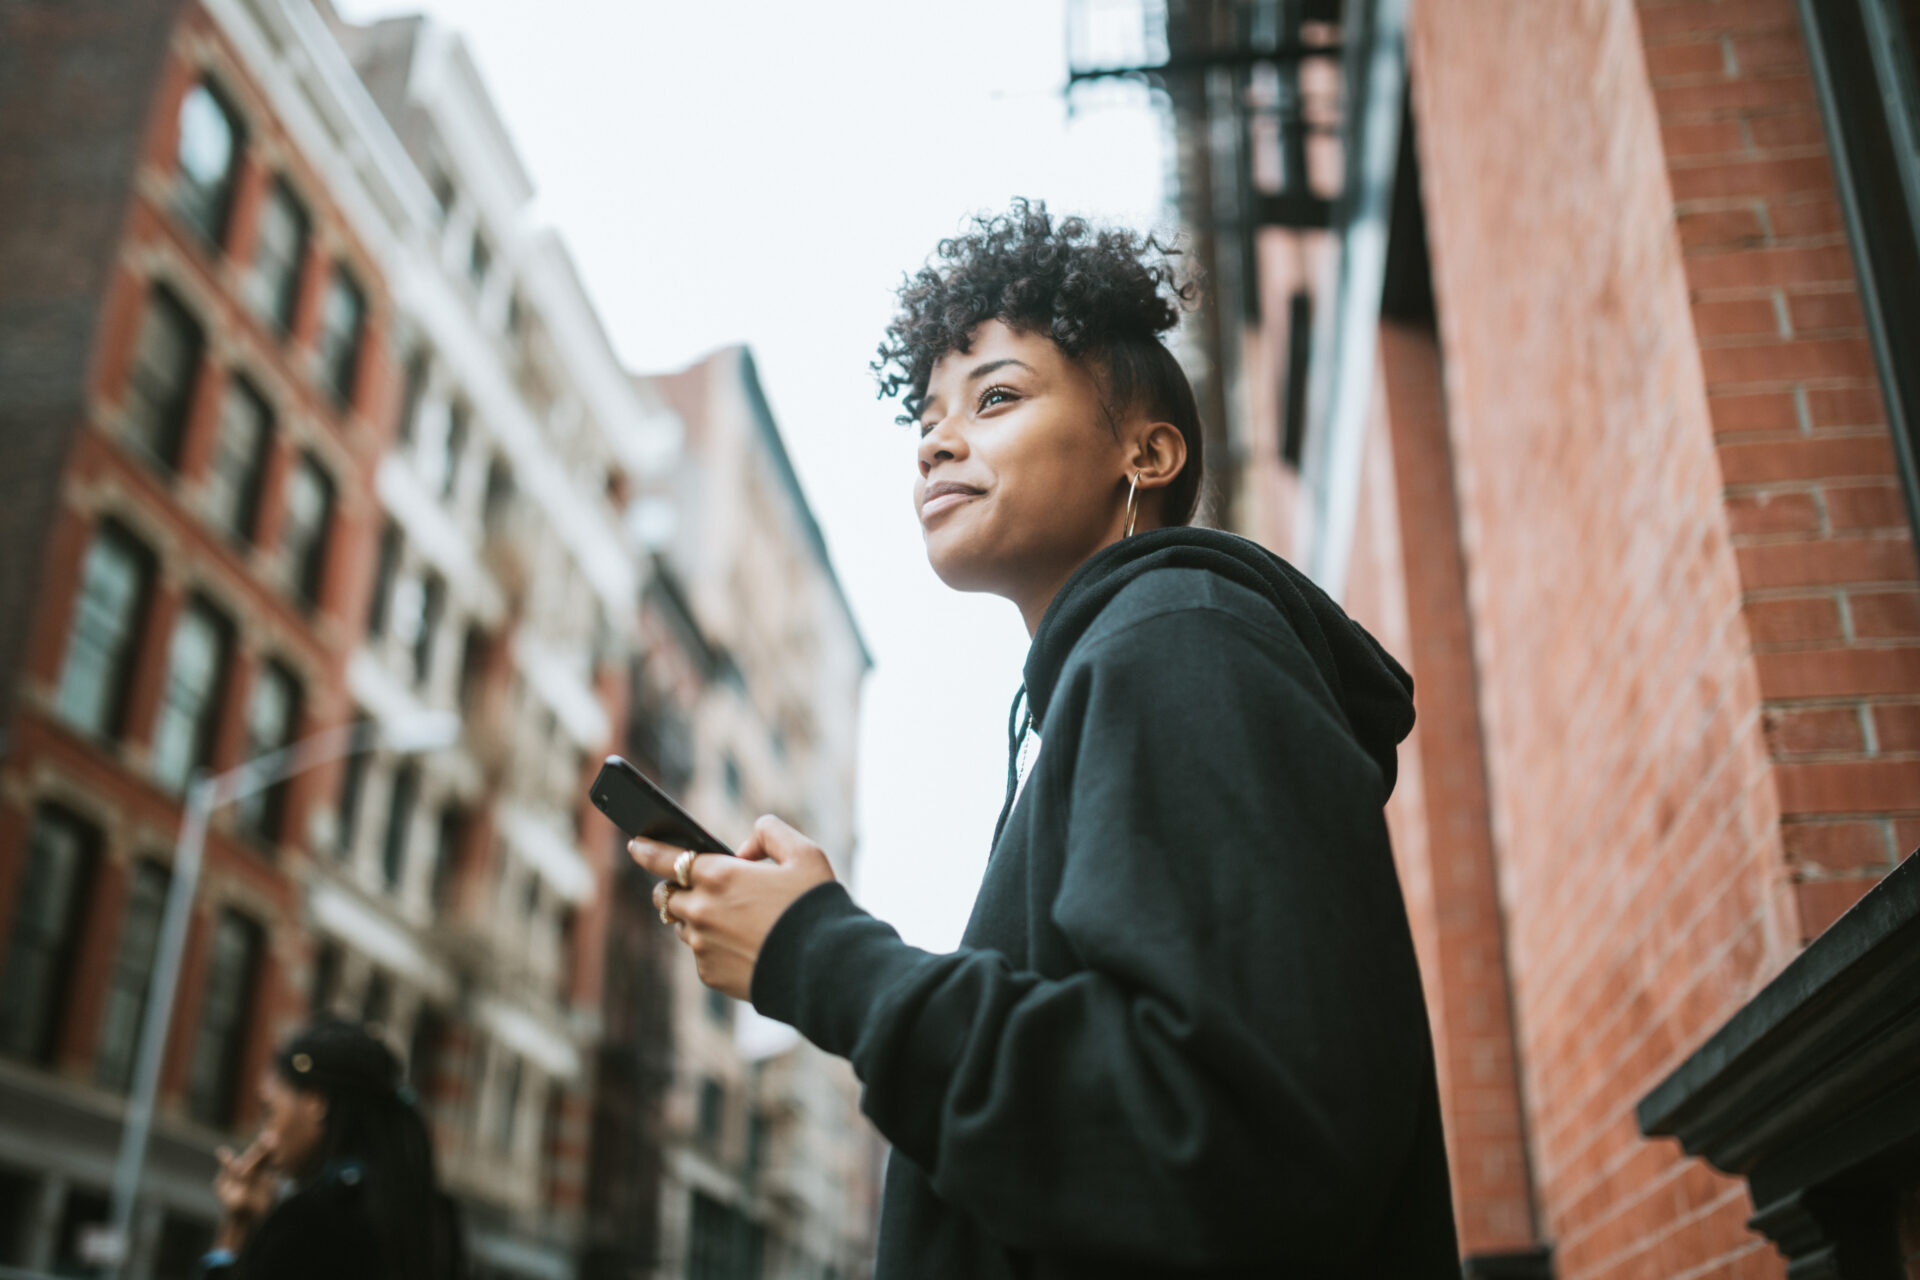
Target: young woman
column 342, row 1126
column 1184, row 1033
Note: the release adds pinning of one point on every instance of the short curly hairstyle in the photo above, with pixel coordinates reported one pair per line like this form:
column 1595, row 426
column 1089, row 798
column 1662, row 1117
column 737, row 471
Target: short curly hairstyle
column 1104, row 295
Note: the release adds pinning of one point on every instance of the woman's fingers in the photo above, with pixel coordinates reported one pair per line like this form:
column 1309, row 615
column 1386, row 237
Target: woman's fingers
column 655, row 857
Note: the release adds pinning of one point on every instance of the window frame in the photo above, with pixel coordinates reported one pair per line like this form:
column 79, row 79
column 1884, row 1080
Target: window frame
column 278, row 300
column 129, row 982
column 338, row 355
column 213, row 1076
column 204, row 722
column 157, row 423
column 55, row 936
column 263, row 813
column 207, row 208
column 306, row 562
column 242, row 523
column 111, row 688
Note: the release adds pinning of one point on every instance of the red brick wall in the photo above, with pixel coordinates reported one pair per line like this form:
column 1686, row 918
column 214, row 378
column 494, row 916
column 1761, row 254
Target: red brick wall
column 1818, row 522
column 1466, row 965
column 1631, row 797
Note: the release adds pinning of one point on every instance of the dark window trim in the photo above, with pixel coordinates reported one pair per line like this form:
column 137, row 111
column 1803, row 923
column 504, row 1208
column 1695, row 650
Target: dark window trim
column 1862, row 94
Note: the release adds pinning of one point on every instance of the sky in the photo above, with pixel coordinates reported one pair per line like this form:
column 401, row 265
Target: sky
column 764, row 172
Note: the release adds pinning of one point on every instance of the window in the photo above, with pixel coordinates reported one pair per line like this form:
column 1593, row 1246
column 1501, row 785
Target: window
column 353, row 785
column 160, row 384
column 443, row 193
column 43, row 942
column 393, row 850
column 342, row 317
column 273, row 287
column 474, row 650
column 446, row 853
column 239, row 459
column 1293, row 424
column 412, row 396
column 209, row 155
column 190, row 705
column 566, row 934
column 433, row 603
column 713, row 1106
column 327, row 960
column 132, row 970
column 225, row 1016
column 303, row 539
column 273, row 715
column 377, row 1001
column 425, row 1049
column 100, row 647
column 479, row 260
column 723, row 1243
column 380, row 608
column 459, row 418
column 756, row 1142
column 499, row 496
column 512, row 1078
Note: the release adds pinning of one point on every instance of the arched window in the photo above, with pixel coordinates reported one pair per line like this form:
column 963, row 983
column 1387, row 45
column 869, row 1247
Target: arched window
column 209, row 156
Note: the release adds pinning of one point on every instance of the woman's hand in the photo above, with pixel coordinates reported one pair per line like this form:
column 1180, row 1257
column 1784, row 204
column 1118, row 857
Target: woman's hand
column 726, row 916
column 245, row 1187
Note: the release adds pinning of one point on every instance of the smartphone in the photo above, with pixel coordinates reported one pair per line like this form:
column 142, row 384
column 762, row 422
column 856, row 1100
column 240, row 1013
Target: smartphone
column 640, row 808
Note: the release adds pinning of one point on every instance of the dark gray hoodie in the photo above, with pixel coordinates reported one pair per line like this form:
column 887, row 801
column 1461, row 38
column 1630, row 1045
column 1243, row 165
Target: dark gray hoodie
column 1184, row 1033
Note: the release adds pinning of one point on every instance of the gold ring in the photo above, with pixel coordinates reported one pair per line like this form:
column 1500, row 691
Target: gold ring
column 683, row 868
column 666, row 896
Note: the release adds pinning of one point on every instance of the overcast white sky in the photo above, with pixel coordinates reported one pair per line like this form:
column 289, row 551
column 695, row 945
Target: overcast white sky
column 762, row 172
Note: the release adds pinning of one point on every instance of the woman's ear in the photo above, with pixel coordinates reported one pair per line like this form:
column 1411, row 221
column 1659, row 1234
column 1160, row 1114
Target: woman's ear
column 1159, row 453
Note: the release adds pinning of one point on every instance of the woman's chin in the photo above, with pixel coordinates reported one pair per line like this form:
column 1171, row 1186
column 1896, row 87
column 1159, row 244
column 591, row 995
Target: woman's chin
column 956, row 565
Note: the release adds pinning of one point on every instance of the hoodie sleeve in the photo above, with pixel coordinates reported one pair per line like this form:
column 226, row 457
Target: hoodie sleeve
column 1238, row 1068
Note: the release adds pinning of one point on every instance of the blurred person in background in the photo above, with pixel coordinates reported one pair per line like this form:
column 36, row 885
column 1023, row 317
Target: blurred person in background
column 1184, row 1032
column 340, row 1181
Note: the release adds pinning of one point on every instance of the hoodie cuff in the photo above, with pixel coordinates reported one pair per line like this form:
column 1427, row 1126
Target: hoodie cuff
column 824, row 964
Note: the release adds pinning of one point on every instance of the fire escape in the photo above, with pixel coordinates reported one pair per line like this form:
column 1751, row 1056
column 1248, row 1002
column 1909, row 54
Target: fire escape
column 1286, row 116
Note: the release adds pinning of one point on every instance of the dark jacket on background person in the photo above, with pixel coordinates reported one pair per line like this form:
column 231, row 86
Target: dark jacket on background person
column 1184, row 1033
column 319, row 1232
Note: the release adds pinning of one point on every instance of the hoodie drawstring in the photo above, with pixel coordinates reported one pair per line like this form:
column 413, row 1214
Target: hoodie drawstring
column 1017, row 726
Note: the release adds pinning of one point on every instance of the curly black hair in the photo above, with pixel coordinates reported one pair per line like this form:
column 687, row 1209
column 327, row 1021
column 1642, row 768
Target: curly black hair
column 1104, row 295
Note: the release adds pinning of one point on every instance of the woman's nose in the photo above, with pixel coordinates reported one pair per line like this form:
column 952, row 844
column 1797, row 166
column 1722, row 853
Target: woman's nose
column 938, row 445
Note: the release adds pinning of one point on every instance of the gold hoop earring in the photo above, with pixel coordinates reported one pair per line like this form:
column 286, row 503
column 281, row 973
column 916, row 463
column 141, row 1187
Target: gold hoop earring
column 1133, row 511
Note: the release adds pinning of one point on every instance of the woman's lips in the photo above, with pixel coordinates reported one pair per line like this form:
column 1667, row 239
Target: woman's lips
column 944, row 501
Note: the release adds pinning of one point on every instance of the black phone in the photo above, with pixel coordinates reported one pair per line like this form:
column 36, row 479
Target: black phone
column 638, row 806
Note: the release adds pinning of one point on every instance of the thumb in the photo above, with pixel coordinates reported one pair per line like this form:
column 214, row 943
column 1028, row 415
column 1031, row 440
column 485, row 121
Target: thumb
column 775, row 841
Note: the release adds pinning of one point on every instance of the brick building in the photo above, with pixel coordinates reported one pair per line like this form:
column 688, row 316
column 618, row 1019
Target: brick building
column 1572, row 346
column 195, row 327
column 307, row 425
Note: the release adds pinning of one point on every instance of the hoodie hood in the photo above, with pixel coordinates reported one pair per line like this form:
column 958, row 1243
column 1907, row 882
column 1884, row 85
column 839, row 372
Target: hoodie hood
column 1374, row 692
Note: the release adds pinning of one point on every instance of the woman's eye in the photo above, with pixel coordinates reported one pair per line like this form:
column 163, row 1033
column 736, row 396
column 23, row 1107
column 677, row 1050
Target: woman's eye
column 995, row 395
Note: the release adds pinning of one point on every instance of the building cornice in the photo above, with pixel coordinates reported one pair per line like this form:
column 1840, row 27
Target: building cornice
column 1811, row 1092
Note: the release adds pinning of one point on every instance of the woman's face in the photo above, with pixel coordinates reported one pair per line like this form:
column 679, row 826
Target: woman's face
column 1021, row 478
column 293, row 1125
